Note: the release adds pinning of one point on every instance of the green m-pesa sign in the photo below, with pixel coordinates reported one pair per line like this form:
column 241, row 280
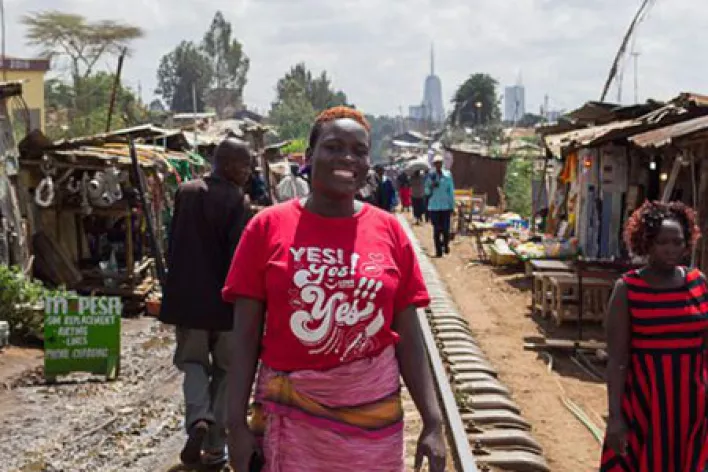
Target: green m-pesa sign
column 82, row 334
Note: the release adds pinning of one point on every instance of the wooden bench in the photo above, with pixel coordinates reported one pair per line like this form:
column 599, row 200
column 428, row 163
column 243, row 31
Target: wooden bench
column 564, row 298
column 540, row 291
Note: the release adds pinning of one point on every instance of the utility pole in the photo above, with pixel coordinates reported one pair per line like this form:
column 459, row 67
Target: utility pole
column 636, row 55
column 194, row 107
column 4, row 57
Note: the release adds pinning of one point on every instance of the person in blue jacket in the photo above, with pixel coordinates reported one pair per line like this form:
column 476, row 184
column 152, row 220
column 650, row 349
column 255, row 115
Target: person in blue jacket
column 440, row 190
column 385, row 193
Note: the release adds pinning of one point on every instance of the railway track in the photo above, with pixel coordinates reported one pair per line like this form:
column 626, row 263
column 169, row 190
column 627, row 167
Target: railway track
column 486, row 430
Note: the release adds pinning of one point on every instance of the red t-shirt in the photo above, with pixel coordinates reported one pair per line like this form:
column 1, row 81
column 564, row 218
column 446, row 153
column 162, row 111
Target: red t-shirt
column 331, row 286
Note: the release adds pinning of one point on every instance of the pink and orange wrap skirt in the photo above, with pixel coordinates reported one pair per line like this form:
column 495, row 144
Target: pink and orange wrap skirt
column 316, row 421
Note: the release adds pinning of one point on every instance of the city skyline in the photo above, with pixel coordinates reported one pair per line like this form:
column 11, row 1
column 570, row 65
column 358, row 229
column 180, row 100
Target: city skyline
column 380, row 66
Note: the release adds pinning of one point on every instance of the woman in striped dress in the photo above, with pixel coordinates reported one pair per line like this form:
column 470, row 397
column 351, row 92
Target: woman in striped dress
column 657, row 369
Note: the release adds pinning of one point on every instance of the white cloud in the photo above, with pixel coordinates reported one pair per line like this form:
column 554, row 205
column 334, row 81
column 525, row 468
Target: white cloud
column 377, row 51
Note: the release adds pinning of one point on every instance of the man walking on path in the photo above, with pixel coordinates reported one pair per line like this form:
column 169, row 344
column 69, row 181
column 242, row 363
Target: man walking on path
column 209, row 216
column 418, row 196
column 440, row 190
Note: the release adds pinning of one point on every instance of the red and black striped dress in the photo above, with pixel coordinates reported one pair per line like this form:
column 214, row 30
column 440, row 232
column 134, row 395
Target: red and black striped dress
column 664, row 403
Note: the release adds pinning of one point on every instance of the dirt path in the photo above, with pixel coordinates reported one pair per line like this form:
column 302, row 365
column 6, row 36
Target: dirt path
column 496, row 304
column 84, row 424
column 133, row 424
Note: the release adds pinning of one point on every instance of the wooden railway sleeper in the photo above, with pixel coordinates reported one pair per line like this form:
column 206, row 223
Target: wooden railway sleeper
column 483, row 387
column 495, row 418
column 518, row 461
column 502, row 439
column 461, row 351
column 459, row 378
column 472, row 366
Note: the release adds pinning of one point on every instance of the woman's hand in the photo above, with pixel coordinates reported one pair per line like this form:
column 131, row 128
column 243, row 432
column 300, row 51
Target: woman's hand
column 617, row 435
column 242, row 446
column 431, row 445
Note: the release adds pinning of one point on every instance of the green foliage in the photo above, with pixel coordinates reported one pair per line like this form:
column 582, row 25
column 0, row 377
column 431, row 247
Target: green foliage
column 529, row 120
column 229, row 65
column 21, row 302
column 317, row 90
column 80, row 106
column 66, row 121
column 517, row 186
column 83, row 42
column 476, row 102
column 383, row 129
column 215, row 70
column 295, row 146
column 293, row 116
column 300, row 97
column 183, row 73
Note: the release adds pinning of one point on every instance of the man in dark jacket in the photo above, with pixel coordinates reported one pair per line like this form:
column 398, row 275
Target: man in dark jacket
column 209, row 216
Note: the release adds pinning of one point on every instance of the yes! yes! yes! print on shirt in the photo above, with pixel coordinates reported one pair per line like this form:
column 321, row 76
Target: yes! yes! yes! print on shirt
column 331, row 286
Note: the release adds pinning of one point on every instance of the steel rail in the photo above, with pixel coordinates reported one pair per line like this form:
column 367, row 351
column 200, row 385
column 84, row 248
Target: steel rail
column 457, row 434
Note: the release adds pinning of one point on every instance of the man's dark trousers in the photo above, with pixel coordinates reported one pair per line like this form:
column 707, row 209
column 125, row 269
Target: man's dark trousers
column 441, row 230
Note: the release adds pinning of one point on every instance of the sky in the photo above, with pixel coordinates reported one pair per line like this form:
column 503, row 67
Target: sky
column 378, row 51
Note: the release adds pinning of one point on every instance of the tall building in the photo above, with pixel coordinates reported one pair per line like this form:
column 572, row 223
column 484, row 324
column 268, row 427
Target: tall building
column 514, row 102
column 431, row 109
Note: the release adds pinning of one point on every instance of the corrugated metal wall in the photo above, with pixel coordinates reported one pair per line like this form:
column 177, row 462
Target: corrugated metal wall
column 480, row 173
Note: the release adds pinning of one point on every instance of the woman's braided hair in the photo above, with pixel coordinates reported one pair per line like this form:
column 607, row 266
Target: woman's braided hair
column 645, row 223
column 336, row 113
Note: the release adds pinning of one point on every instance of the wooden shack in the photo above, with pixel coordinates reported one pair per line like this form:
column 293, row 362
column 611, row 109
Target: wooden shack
column 472, row 169
column 84, row 213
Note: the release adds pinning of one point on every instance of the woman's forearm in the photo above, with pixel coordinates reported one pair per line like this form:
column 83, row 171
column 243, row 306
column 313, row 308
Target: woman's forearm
column 246, row 339
column 415, row 367
column 616, row 375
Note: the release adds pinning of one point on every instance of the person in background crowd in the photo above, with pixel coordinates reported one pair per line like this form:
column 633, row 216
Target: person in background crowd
column 418, row 197
column 209, row 216
column 385, row 193
column 440, row 190
column 292, row 186
column 304, row 172
column 257, row 188
column 657, row 329
column 367, row 192
column 404, row 191
column 328, row 392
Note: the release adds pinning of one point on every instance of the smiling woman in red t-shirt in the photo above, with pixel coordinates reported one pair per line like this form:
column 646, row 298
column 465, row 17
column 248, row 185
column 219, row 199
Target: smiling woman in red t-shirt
column 325, row 291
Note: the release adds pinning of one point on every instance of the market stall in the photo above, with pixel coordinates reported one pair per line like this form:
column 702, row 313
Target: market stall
column 86, row 216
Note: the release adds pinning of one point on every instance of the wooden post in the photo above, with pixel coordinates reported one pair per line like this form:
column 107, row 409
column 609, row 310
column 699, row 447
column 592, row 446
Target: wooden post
column 114, row 92
column 669, row 188
column 703, row 212
column 129, row 252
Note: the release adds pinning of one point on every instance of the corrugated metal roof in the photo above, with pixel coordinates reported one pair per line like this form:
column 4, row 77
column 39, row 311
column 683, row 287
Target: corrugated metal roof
column 581, row 137
column 664, row 136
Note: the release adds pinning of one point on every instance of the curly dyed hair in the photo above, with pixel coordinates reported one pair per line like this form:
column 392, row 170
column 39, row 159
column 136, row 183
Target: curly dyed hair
column 336, row 113
column 645, row 223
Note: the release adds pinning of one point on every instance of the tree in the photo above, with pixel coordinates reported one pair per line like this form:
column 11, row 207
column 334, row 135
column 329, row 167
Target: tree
column 475, row 102
column 529, row 120
column 84, row 43
column 229, row 65
column 293, row 116
column 383, row 128
column 58, row 94
column 183, row 73
column 97, row 89
column 300, row 97
column 317, row 90
column 517, row 185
